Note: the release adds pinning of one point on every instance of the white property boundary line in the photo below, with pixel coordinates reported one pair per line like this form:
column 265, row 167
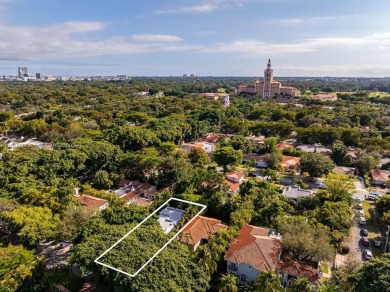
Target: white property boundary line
column 143, row 221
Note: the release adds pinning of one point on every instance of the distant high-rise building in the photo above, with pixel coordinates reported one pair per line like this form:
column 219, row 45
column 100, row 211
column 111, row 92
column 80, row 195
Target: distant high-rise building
column 23, row 72
column 269, row 87
column 185, row 75
column 38, row 76
column 192, row 75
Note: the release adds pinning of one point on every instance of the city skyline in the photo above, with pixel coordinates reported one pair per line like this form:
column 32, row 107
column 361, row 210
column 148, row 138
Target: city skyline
column 206, row 38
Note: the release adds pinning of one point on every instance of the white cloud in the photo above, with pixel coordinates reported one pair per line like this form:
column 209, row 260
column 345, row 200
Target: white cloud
column 156, row 38
column 254, row 47
column 313, row 19
column 19, row 42
column 202, row 6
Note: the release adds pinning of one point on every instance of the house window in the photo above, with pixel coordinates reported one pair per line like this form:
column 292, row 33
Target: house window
column 232, row 267
column 243, row 278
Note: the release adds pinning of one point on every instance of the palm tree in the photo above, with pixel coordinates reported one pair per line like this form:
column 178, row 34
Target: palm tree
column 228, row 283
column 329, row 286
column 303, row 285
column 269, row 282
column 205, row 260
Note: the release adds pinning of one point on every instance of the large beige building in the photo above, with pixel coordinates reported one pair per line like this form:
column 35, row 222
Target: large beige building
column 269, row 87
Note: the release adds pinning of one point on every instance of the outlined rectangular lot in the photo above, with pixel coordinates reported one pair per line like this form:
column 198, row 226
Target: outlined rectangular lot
column 100, row 262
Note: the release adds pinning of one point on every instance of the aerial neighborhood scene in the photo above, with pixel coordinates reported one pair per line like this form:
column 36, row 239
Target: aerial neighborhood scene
column 195, row 145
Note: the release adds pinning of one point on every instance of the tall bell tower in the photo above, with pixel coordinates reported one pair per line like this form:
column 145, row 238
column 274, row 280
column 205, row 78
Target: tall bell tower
column 268, row 77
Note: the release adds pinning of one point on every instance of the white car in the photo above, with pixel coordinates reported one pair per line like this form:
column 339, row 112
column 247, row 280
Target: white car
column 357, row 199
column 371, row 196
column 368, row 254
column 362, row 220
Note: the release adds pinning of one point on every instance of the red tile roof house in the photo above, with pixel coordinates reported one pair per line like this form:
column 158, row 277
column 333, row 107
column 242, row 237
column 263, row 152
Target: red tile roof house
column 258, row 249
column 252, row 252
column 258, row 158
column 290, row 269
column 233, row 179
column 379, row 176
column 200, row 230
column 206, row 146
column 141, row 194
column 290, row 162
column 91, row 202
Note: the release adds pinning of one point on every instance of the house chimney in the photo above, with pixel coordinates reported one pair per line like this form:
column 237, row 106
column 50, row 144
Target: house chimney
column 76, row 191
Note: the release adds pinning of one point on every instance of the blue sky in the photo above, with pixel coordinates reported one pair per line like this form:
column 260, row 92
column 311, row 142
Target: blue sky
column 204, row 37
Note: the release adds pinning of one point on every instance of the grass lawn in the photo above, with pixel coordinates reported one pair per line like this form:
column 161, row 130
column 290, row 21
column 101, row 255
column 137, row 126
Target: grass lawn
column 325, row 268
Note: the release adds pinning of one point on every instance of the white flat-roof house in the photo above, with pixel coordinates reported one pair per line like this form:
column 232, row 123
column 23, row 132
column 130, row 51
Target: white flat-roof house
column 169, row 218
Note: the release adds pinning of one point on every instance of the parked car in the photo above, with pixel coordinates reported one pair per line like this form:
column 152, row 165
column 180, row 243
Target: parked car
column 383, row 186
column 357, row 199
column 371, row 196
column 359, row 206
column 365, row 241
column 363, row 232
column 362, row 220
column 377, row 243
column 368, row 254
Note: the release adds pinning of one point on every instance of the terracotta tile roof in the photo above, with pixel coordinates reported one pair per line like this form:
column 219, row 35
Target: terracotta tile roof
column 235, row 174
column 89, row 201
column 212, row 138
column 288, row 161
column 192, row 145
column 254, row 247
column 233, row 186
column 298, row 269
column 201, row 228
column 281, row 146
column 380, row 175
column 124, row 182
column 143, row 202
column 139, row 189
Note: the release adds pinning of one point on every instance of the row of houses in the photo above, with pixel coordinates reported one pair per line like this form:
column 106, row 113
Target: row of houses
column 254, row 250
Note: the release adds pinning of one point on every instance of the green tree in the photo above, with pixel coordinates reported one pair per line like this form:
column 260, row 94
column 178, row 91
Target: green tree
column 372, row 276
column 335, row 215
column 174, row 269
column 205, row 260
column 16, row 264
column 198, row 156
column 228, row 283
column 339, row 187
column 273, row 160
column 340, row 155
column 227, row 156
column 316, row 164
column 269, row 281
column 305, row 241
column 33, row 224
column 365, row 162
column 301, row 285
column 71, row 220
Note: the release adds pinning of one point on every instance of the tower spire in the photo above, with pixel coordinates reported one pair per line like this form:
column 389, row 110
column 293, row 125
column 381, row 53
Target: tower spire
column 269, row 64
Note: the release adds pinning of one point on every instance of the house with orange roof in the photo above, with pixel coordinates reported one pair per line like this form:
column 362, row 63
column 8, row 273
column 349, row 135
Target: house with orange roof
column 91, row 202
column 200, row 230
column 206, row 146
column 290, row 162
column 136, row 192
column 235, row 176
column 379, row 176
column 292, row 269
column 233, row 179
column 254, row 250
